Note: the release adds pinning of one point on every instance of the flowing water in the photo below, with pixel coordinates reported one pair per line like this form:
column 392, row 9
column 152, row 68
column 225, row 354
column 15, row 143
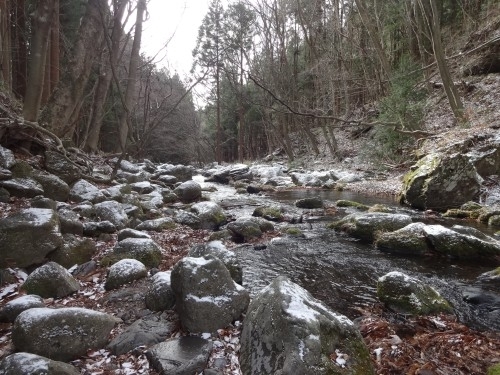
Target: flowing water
column 342, row 272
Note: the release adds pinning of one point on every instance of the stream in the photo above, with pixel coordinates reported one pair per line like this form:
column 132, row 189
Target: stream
column 342, row 272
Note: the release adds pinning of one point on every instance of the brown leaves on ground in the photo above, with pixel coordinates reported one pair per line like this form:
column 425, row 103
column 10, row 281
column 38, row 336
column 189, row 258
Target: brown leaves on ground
column 427, row 345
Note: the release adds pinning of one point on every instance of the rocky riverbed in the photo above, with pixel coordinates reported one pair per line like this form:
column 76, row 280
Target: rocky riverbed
column 130, row 251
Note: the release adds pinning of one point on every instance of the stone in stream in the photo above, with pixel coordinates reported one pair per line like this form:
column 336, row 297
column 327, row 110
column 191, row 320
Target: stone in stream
column 287, row 331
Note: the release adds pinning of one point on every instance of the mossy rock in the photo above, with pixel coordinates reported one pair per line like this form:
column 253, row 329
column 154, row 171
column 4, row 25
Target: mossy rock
column 471, row 206
column 409, row 240
column 457, row 213
column 272, row 213
column 494, row 370
column 294, row 232
column 405, row 294
column 380, row 208
column 485, row 214
column 347, row 203
column 494, row 221
column 365, row 226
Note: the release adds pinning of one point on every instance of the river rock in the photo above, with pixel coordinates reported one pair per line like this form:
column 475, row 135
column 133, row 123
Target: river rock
column 206, row 296
column 127, row 166
column 185, row 355
column 57, row 164
column 410, row 240
column 407, row 295
column 461, row 242
column 188, row 191
column 211, row 215
column 52, row 332
column 441, row 181
column 7, row 158
column 70, row 222
column 28, row 236
column 181, row 172
column 82, row 190
column 144, row 250
column 148, row 331
column 131, row 233
column 123, row 272
column 287, row 331
column 187, row 218
column 112, row 211
column 364, row 226
column 75, row 250
column 32, row 364
column 311, row 179
column 271, row 213
column 42, row 202
column 51, row 280
column 156, row 225
column 54, row 187
column 218, row 250
column 22, row 187
column 309, row 203
column 160, row 296
column 116, row 192
column 10, row 311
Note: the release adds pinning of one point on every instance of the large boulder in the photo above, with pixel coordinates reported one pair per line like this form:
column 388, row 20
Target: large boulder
column 211, row 215
column 51, row 280
column 32, row 364
column 218, row 250
column 28, row 236
column 75, row 250
column 206, row 296
column 63, row 168
column 410, row 240
column 441, row 181
column 287, row 331
column 181, row 172
column 53, row 186
column 10, row 311
column 112, row 211
column 82, row 190
column 151, row 330
column 160, row 295
column 188, row 191
column 123, row 272
column 365, row 226
column 144, row 250
column 407, row 295
column 61, row 334
column 180, row 356
column 22, row 187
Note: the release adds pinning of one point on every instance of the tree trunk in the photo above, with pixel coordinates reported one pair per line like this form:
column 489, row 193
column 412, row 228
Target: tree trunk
column 65, row 99
column 5, row 45
column 39, row 42
column 19, row 50
column 109, row 58
column 130, row 92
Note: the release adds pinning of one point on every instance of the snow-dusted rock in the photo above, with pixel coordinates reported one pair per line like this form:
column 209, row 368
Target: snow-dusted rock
column 131, row 233
column 75, row 250
column 61, row 334
column 10, row 311
column 188, row 191
column 57, row 164
column 408, row 295
column 53, row 186
column 160, row 296
column 51, row 280
column 70, row 222
column 365, row 226
column 144, row 250
column 82, row 190
column 7, row 159
column 287, row 331
column 218, row 250
column 95, row 229
column 27, row 363
column 28, row 236
column 187, row 218
column 22, row 187
column 127, row 166
column 156, row 225
column 181, row 172
column 112, row 211
column 211, row 215
column 144, row 332
column 123, row 272
column 180, row 356
column 206, row 296
column 410, row 240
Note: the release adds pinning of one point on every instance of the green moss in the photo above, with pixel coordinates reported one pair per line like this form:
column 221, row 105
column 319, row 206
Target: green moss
column 292, row 231
column 379, row 208
column 494, row 370
column 457, row 213
column 471, row 206
column 269, row 213
column 347, row 203
column 494, row 221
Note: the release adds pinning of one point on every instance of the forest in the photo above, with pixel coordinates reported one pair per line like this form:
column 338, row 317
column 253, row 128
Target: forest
column 73, row 76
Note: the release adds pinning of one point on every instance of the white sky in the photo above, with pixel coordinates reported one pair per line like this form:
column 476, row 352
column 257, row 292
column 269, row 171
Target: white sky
column 178, row 20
